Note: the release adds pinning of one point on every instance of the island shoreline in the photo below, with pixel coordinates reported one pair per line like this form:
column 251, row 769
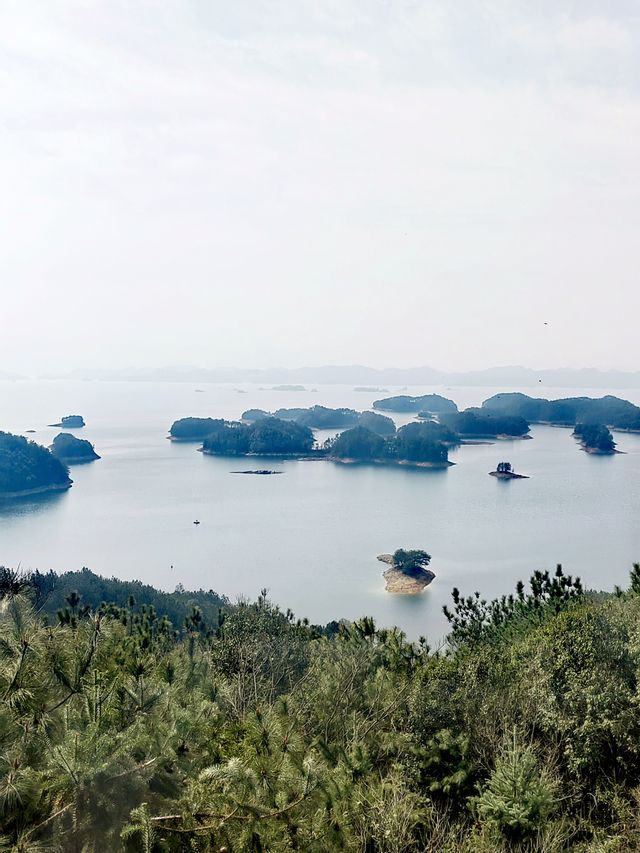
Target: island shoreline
column 38, row 490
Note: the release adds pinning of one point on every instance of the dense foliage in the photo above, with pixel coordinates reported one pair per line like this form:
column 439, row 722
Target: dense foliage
column 320, row 417
column 609, row 410
column 251, row 415
column 473, row 423
column 422, row 442
column 359, row 443
column 25, row 465
column 410, row 562
column 380, row 424
column 433, row 403
column 272, row 435
column 595, row 437
column 264, row 436
column 265, row 734
column 67, row 448
column 414, row 443
column 435, row 431
column 53, row 590
column 195, row 429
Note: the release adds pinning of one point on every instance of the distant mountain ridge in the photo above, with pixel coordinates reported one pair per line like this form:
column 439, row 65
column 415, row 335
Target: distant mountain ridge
column 512, row 376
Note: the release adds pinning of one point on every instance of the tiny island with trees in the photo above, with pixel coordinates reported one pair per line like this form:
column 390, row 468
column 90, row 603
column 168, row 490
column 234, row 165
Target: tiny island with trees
column 504, row 471
column 71, row 422
column 408, row 572
column 27, row 468
column 71, row 450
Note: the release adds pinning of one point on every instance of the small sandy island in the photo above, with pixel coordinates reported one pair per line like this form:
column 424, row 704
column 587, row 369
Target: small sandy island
column 508, row 475
column 399, row 582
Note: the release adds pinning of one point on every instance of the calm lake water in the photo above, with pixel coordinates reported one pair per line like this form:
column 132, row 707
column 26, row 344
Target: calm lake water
column 311, row 535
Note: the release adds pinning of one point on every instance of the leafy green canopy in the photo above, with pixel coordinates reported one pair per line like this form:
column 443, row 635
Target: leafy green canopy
column 595, row 437
column 473, row 619
column 416, row 443
column 67, row 446
column 195, row 429
column 260, row 732
column 266, row 436
column 320, row 417
column 609, row 410
column 411, row 562
column 432, row 403
column 26, row 465
column 476, row 422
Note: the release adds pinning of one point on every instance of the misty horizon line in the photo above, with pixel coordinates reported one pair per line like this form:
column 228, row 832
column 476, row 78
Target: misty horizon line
column 357, row 374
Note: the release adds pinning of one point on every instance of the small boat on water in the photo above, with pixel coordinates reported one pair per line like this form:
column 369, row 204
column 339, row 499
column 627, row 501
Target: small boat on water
column 196, row 521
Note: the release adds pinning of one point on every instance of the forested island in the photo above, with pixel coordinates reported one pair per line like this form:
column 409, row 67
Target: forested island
column 372, row 437
column 477, row 424
column 264, row 437
column 433, row 403
column 321, row 417
column 71, row 450
column 27, row 468
column 595, row 438
column 247, row 729
column 504, row 471
column 194, row 429
column 413, row 444
column 71, row 422
column 611, row 411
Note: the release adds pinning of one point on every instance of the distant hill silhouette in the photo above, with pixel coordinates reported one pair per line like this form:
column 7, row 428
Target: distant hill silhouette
column 505, row 377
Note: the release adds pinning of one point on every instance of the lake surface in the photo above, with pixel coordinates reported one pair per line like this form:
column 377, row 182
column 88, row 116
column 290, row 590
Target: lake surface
column 311, row 535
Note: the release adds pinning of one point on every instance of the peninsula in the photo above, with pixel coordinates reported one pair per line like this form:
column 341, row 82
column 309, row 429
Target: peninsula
column 595, row 439
column 27, row 468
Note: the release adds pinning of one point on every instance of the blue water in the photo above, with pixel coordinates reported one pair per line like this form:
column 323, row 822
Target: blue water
column 311, row 535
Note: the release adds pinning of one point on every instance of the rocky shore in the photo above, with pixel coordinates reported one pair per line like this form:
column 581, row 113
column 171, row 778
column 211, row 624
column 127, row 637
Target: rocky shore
column 400, row 583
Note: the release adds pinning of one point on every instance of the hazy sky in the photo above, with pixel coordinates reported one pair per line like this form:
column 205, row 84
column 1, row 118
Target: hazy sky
column 319, row 181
